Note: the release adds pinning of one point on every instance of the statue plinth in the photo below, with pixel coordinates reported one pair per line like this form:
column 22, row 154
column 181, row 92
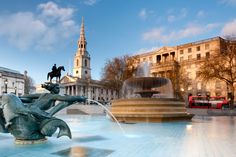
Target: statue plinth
column 26, row 142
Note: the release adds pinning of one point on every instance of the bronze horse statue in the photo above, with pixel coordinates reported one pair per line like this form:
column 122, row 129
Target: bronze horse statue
column 56, row 73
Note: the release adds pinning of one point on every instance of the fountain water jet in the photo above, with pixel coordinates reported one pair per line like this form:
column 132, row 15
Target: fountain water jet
column 110, row 114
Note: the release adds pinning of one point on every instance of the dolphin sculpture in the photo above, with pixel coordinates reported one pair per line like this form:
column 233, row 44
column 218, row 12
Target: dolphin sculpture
column 28, row 118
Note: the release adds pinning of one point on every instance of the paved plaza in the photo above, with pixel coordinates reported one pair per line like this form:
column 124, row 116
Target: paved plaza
column 97, row 136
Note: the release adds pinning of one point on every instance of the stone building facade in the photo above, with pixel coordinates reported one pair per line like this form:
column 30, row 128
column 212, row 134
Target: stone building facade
column 81, row 83
column 11, row 81
column 183, row 61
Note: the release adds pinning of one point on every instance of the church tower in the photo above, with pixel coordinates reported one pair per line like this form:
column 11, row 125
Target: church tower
column 82, row 58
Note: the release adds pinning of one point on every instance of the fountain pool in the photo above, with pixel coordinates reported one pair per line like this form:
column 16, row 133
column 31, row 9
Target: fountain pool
column 97, row 136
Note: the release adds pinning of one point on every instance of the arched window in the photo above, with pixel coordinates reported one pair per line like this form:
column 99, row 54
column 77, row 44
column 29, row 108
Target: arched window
column 77, row 62
column 85, row 63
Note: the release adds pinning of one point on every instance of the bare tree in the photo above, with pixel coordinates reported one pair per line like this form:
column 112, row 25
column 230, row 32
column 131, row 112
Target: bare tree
column 221, row 66
column 29, row 84
column 184, row 82
column 117, row 70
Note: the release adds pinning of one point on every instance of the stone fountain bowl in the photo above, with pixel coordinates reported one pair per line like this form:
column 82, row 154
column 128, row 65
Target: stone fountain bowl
column 146, row 82
column 149, row 110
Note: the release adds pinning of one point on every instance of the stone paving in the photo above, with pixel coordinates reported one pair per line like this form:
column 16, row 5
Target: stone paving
column 97, row 136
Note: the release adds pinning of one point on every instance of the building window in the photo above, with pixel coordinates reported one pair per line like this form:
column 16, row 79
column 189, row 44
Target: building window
column 198, row 56
column 76, row 72
column 207, row 54
column 207, row 46
column 181, row 59
column 199, row 86
column 85, row 62
column 77, row 62
column 181, row 52
column 158, row 58
column 138, row 60
column 189, row 87
column 189, row 57
column 85, row 72
column 198, row 48
column 189, row 50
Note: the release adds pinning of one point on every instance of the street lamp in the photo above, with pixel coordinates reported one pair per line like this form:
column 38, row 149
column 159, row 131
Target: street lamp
column 6, row 82
column 15, row 90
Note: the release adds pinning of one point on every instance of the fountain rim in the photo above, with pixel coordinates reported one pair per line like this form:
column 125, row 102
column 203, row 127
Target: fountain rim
column 144, row 99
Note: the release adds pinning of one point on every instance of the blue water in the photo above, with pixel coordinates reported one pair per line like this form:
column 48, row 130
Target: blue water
column 97, row 136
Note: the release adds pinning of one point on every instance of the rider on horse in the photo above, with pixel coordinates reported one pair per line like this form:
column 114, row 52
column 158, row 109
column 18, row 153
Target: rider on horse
column 56, row 72
column 54, row 68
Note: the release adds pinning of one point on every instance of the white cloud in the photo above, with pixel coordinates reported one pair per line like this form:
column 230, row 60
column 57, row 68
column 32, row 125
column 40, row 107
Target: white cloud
column 228, row 2
column 229, row 29
column 51, row 26
column 171, row 18
column 163, row 35
column 21, row 29
column 90, row 2
column 51, row 9
column 175, row 16
column 143, row 14
column 200, row 13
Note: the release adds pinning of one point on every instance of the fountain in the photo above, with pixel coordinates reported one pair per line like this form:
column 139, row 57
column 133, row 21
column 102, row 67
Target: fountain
column 148, row 99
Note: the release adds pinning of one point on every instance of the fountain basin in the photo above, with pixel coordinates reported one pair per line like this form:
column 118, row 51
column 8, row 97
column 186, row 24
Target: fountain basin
column 149, row 110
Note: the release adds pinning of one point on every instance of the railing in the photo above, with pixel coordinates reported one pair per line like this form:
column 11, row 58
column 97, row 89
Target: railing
column 167, row 63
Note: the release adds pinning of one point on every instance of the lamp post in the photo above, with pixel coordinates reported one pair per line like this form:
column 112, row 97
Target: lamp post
column 15, row 90
column 6, row 82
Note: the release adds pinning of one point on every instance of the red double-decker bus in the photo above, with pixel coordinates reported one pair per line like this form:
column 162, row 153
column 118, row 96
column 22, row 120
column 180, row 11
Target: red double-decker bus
column 214, row 102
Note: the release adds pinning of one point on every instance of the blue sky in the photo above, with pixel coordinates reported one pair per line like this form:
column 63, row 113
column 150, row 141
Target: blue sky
column 36, row 34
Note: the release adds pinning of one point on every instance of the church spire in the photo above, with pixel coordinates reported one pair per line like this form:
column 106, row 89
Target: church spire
column 82, row 40
column 82, row 34
column 82, row 58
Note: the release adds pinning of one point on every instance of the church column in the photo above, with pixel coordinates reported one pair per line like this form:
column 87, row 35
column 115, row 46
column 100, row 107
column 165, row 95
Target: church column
column 67, row 90
column 89, row 92
column 76, row 90
column 81, row 90
column 72, row 90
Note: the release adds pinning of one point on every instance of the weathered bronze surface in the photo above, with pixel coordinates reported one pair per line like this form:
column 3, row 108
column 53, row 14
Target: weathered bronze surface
column 31, row 117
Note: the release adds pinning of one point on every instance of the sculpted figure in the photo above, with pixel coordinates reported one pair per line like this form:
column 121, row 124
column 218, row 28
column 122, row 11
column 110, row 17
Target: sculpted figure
column 28, row 117
column 56, row 72
column 54, row 68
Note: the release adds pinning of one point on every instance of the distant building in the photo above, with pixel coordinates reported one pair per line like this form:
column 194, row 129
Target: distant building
column 81, row 83
column 11, row 81
column 185, row 59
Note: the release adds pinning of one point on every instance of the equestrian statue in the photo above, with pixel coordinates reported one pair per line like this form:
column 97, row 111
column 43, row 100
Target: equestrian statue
column 56, row 72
